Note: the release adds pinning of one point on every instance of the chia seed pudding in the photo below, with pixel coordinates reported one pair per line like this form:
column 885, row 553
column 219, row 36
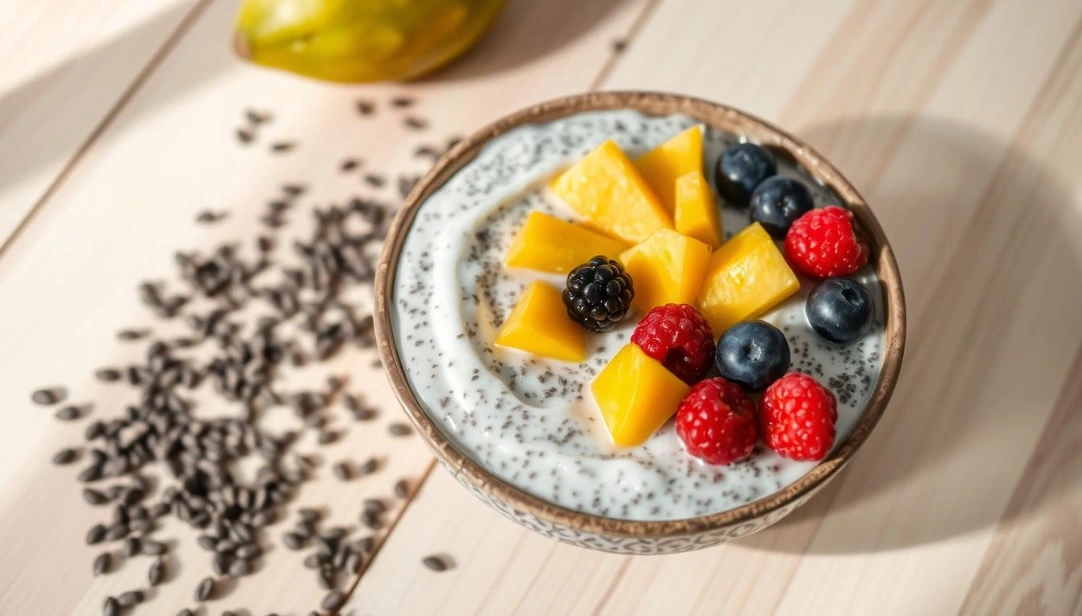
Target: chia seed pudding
column 531, row 421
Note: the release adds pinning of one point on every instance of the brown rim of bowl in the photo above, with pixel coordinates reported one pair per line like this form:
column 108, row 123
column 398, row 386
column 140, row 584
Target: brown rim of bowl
column 657, row 104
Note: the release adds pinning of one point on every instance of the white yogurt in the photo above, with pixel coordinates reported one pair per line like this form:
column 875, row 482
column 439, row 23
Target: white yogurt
column 531, row 421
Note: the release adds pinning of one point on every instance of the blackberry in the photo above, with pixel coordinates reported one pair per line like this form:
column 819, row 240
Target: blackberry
column 598, row 294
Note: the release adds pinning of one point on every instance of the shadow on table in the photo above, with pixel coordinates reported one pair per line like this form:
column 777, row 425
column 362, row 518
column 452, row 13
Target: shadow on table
column 527, row 31
column 145, row 39
column 966, row 271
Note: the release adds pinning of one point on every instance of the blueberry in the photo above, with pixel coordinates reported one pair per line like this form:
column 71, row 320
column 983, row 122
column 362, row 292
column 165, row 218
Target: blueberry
column 753, row 354
column 839, row 309
column 778, row 202
column 740, row 169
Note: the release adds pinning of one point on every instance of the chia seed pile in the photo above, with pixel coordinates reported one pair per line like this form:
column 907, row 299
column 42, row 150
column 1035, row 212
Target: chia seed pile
column 253, row 314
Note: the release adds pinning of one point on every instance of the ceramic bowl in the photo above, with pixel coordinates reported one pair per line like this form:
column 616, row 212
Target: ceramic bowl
column 628, row 536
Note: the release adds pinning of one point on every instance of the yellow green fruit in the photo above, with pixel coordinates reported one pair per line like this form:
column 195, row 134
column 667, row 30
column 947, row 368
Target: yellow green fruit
column 539, row 324
column 697, row 213
column 636, row 395
column 662, row 165
column 548, row 244
column 667, row 268
column 745, row 278
column 606, row 189
column 360, row 40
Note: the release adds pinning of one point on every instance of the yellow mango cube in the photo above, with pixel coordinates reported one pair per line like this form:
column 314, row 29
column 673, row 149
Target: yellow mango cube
column 676, row 157
column 606, row 189
column 636, row 395
column 539, row 324
column 745, row 278
column 667, row 268
column 697, row 213
column 548, row 244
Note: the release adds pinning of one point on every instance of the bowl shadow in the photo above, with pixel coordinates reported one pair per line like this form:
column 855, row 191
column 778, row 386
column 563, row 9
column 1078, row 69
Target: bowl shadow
column 965, row 262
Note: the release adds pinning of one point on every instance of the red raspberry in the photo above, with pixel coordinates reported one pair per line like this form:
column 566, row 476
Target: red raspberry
column 679, row 337
column 716, row 421
column 822, row 243
column 798, row 417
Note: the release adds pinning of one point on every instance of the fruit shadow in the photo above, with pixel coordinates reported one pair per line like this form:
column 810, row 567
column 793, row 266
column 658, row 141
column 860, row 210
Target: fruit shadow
column 976, row 225
column 526, row 32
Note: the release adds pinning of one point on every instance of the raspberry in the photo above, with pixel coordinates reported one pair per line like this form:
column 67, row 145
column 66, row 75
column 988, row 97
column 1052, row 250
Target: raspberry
column 798, row 417
column 716, row 421
column 822, row 243
column 679, row 337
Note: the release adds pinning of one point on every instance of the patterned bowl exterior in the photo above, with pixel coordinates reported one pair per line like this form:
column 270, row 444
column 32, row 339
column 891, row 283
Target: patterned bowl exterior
column 629, row 536
column 629, row 544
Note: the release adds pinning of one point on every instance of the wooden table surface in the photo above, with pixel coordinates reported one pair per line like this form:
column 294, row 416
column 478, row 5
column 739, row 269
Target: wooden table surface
column 959, row 120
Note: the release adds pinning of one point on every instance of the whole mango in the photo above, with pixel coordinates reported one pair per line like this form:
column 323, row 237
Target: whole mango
column 360, row 40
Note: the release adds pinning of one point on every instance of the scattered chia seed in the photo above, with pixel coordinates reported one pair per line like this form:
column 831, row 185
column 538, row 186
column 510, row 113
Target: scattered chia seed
column 366, row 108
column 130, row 335
column 244, row 362
column 49, row 396
column 65, row 456
column 257, row 117
column 402, row 488
column 209, row 217
column 437, row 563
column 399, row 429
column 415, row 123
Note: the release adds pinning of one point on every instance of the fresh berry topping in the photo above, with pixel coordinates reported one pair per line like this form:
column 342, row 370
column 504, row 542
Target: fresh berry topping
column 822, row 243
column 679, row 337
column 598, row 294
column 716, row 421
column 753, row 354
column 798, row 417
column 779, row 201
column 839, row 309
column 740, row 170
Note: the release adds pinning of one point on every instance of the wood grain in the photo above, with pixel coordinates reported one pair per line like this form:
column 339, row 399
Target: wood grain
column 961, row 123
column 1034, row 564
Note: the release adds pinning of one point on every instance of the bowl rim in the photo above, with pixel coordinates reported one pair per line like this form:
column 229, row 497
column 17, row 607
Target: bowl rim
column 650, row 103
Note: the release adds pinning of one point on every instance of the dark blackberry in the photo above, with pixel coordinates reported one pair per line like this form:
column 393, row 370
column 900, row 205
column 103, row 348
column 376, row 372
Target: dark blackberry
column 598, row 294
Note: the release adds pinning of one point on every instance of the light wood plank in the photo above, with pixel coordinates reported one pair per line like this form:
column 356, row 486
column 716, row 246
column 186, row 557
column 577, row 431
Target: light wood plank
column 64, row 67
column 945, row 60
column 967, row 148
column 130, row 201
column 1033, row 565
column 923, row 499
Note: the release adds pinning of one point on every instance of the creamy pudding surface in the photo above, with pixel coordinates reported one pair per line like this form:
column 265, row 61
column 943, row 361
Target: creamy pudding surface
column 532, row 421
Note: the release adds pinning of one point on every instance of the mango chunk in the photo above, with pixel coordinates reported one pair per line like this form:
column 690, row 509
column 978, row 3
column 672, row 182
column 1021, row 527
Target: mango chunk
column 676, row 157
column 745, row 278
column 606, row 189
column 667, row 268
column 697, row 213
column 636, row 395
column 539, row 324
column 549, row 244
